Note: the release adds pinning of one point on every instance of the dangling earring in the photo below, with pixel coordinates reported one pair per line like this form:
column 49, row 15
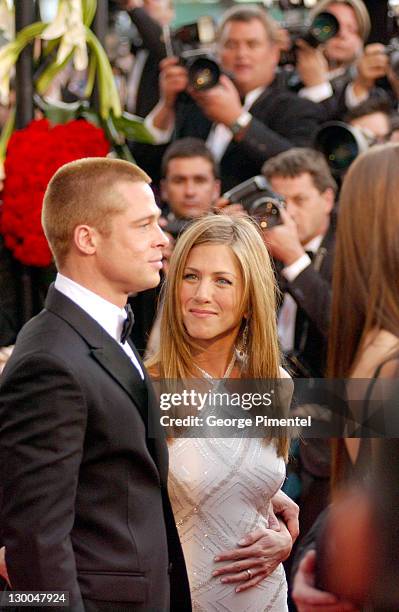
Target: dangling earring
column 241, row 350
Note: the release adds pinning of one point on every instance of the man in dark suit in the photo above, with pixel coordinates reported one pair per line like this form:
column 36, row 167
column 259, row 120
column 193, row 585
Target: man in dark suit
column 303, row 247
column 85, row 505
column 247, row 117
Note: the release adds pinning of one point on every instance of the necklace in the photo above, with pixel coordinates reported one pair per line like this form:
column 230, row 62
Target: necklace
column 227, row 373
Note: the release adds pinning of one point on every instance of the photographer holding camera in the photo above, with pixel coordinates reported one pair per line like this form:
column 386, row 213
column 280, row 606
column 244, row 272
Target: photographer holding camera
column 327, row 73
column 303, row 249
column 246, row 117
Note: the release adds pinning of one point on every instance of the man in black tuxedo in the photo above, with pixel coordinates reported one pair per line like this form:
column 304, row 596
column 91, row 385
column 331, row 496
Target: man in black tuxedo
column 247, row 117
column 85, row 504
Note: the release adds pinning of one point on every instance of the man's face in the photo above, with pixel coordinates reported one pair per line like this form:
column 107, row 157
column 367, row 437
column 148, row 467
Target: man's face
column 343, row 48
column 129, row 257
column 190, row 187
column 308, row 207
column 247, row 53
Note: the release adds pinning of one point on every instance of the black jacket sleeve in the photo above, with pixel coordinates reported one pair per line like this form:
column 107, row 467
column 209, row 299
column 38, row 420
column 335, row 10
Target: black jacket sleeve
column 43, row 422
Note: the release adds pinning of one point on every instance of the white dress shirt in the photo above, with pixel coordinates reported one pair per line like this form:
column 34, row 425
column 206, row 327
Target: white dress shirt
column 220, row 135
column 106, row 314
column 288, row 310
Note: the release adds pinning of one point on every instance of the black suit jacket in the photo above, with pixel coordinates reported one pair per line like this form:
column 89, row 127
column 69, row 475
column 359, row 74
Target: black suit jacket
column 311, row 291
column 280, row 121
column 85, row 505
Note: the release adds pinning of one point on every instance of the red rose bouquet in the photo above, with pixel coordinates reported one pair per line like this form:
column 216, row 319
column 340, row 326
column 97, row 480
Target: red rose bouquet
column 33, row 156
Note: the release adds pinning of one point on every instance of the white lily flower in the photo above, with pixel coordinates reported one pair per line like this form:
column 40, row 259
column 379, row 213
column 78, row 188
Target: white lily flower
column 68, row 24
column 7, row 20
column 8, row 57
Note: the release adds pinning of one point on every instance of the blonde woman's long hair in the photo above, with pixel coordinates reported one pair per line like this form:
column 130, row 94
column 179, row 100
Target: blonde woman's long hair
column 258, row 302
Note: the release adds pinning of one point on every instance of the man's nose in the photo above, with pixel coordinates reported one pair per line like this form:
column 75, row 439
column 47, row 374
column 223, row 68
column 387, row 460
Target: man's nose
column 241, row 50
column 190, row 188
column 162, row 240
column 290, row 208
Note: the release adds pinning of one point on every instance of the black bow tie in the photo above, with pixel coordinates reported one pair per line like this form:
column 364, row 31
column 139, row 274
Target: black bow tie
column 127, row 324
column 310, row 254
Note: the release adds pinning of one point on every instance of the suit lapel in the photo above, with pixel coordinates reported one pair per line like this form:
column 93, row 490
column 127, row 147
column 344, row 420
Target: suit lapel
column 118, row 365
column 104, row 349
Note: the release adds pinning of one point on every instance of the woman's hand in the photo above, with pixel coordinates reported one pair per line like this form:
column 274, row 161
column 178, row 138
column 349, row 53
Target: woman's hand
column 258, row 555
column 288, row 510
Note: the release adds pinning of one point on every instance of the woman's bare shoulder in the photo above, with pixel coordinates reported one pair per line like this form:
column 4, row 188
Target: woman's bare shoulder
column 380, row 346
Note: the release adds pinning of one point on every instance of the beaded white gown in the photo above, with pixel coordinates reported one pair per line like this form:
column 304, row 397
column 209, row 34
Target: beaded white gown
column 220, row 489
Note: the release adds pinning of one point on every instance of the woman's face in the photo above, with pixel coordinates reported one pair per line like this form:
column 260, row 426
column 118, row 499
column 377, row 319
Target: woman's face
column 210, row 294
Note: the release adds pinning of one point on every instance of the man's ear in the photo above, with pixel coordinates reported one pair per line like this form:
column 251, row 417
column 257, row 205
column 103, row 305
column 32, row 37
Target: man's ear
column 329, row 199
column 85, row 239
column 217, row 189
column 164, row 195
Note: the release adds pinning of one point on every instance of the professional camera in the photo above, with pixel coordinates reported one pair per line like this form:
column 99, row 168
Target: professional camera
column 341, row 143
column 259, row 200
column 317, row 32
column 193, row 43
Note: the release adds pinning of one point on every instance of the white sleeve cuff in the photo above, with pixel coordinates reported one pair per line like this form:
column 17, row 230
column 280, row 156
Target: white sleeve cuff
column 294, row 270
column 351, row 99
column 317, row 93
column 159, row 136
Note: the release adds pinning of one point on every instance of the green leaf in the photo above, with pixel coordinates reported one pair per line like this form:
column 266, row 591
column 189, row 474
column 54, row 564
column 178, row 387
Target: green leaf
column 91, row 76
column 61, row 112
column 89, row 8
column 6, row 132
column 44, row 80
column 133, row 128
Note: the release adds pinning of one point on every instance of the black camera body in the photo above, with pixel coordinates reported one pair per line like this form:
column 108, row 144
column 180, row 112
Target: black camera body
column 323, row 27
column 259, row 200
column 193, row 44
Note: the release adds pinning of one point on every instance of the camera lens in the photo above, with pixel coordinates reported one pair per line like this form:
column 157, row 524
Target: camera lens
column 266, row 211
column 323, row 27
column 339, row 145
column 203, row 73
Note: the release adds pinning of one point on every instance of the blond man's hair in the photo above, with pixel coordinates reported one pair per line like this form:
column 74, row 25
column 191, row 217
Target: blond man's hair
column 84, row 192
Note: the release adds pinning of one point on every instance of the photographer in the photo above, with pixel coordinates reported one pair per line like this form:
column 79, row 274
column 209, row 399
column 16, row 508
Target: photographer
column 327, row 74
column 244, row 119
column 303, row 249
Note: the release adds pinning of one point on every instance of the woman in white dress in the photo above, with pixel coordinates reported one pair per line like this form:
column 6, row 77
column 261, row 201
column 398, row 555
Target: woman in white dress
column 219, row 322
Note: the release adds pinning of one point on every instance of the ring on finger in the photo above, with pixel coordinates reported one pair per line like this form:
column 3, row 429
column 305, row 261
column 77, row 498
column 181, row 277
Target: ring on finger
column 249, row 574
